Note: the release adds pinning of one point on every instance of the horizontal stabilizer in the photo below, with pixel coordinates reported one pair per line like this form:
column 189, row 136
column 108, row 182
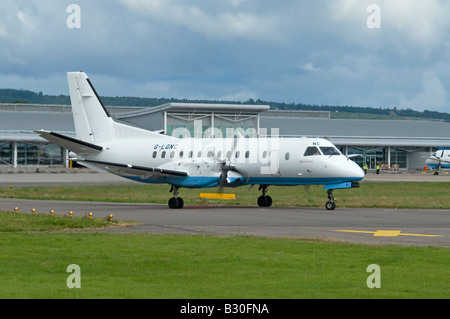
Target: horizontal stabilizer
column 72, row 144
column 124, row 169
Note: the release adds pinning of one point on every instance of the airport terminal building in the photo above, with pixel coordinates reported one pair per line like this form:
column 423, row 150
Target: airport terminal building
column 395, row 144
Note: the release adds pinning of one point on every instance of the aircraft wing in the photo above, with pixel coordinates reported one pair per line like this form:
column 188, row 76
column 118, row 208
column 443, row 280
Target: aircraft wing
column 128, row 169
column 72, row 144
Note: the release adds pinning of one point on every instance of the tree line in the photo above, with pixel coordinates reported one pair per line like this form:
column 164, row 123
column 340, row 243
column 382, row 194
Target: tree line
column 25, row 96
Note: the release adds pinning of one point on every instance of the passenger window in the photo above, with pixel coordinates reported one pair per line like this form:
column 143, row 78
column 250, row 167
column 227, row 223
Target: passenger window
column 328, row 150
column 191, row 154
column 172, row 154
column 264, row 154
column 247, row 154
column 163, row 154
column 286, row 157
column 237, row 154
column 312, row 150
column 181, row 154
column 199, row 154
column 219, row 154
column 154, row 154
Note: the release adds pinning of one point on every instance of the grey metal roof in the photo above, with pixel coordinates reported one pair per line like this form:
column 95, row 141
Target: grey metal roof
column 19, row 121
column 364, row 132
column 196, row 107
column 10, row 121
column 19, row 124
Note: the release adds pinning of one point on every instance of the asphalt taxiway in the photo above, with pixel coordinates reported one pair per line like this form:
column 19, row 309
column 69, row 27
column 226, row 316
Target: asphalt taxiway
column 415, row 227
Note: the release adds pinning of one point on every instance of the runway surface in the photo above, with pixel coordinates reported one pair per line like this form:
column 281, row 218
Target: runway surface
column 369, row 226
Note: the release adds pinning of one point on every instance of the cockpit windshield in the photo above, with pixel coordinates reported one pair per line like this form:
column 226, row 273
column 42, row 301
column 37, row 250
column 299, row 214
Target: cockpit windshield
column 312, row 150
column 329, row 150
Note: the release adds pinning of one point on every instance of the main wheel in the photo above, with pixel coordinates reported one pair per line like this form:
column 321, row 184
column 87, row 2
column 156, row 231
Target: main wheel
column 173, row 203
column 176, row 202
column 330, row 205
column 268, row 201
column 180, row 202
column 262, row 201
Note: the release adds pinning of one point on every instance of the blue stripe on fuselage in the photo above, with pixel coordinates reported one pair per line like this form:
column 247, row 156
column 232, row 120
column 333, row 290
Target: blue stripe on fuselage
column 206, row 182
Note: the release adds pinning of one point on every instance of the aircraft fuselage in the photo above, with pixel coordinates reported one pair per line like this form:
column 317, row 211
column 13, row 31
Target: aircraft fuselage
column 264, row 160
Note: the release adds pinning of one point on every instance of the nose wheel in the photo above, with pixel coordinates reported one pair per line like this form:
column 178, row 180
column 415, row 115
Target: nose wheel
column 330, row 205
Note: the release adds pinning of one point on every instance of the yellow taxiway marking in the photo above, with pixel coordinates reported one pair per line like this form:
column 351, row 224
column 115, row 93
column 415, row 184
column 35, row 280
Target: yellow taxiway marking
column 217, row 196
column 387, row 233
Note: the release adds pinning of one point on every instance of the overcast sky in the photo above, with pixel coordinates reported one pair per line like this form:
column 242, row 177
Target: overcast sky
column 331, row 52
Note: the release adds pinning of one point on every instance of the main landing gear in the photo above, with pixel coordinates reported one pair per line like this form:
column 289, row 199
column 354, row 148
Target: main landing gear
column 263, row 200
column 330, row 205
column 175, row 201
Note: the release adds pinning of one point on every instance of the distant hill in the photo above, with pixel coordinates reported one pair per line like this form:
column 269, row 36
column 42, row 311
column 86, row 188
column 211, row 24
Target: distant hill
column 25, row 96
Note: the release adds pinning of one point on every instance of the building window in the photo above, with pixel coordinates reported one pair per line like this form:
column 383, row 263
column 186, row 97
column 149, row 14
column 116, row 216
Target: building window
column 6, row 154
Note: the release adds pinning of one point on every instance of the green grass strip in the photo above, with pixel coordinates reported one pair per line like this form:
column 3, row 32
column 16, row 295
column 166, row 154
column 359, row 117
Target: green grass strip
column 33, row 265
column 429, row 195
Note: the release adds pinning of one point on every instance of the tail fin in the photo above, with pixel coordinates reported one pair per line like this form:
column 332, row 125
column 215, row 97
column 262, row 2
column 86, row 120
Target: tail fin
column 93, row 123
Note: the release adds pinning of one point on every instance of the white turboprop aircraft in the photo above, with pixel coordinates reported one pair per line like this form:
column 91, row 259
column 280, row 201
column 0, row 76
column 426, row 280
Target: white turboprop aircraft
column 151, row 157
column 439, row 159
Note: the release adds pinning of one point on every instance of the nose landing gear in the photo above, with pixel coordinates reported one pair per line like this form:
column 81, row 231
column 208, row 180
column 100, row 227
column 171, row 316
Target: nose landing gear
column 330, row 205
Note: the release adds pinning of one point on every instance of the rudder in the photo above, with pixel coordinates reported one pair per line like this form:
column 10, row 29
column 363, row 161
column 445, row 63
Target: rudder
column 92, row 120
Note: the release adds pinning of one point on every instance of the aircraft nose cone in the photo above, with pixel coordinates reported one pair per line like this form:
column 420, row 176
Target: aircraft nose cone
column 356, row 171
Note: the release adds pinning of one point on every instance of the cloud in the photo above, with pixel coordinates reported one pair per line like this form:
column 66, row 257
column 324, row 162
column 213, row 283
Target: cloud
column 298, row 51
column 221, row 20
column 309, row 67
column 407, row 26
column 433, row 95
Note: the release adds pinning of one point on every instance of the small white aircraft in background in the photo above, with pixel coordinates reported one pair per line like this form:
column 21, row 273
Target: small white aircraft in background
column 151, row 157
column 439, row 159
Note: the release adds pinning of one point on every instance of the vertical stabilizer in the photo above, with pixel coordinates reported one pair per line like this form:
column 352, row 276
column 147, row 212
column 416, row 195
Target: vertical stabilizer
column 93, row 123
